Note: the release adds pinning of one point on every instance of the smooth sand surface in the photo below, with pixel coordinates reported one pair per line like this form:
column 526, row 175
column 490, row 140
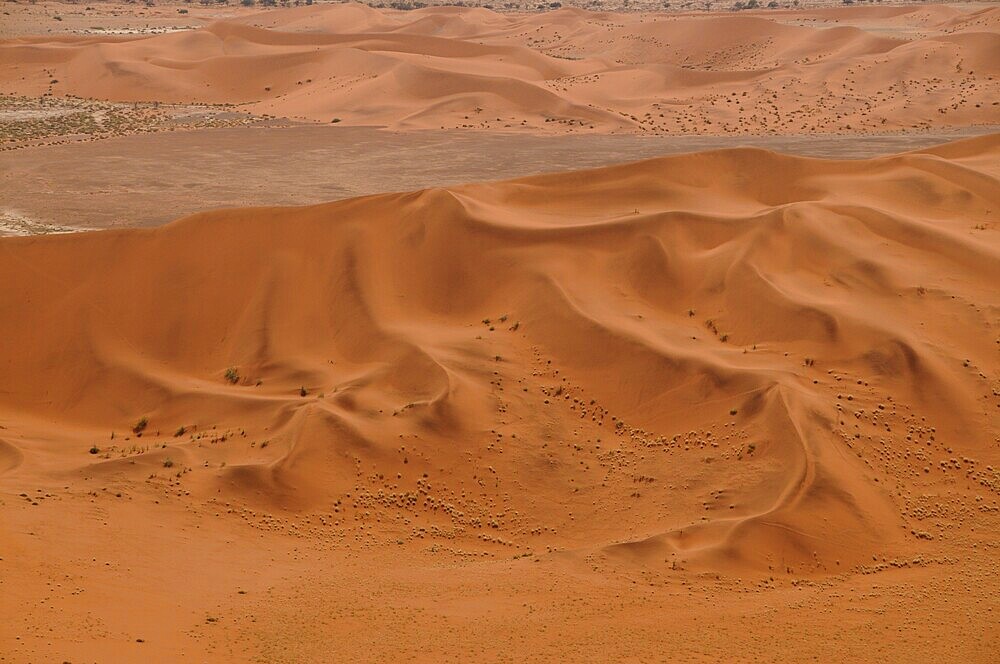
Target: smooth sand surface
column 852, row 69
column 722, row 406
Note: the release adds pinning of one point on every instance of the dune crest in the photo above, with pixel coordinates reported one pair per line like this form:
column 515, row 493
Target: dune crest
column 563, row 71
column 723, row 360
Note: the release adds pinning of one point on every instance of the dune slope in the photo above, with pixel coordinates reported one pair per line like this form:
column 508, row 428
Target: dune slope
column 568, row 70
column 731, row 360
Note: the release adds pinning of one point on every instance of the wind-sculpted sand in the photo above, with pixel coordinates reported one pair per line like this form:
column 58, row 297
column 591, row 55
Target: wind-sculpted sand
column 853, row 70
column 752, row 391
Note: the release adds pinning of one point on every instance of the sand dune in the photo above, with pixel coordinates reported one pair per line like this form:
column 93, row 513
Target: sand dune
column 725, row 406
column 568, row 70
column 733, row 360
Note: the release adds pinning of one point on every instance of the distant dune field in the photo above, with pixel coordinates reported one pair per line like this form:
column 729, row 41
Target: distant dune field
column 775, row 71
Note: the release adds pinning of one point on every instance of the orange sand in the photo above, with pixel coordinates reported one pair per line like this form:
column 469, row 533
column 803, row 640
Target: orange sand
column 856, row 69
column 721, row 406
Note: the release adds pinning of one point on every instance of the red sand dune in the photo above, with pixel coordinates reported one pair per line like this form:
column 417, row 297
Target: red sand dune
column 568, row 70
column 796, row 338
column 731, row 363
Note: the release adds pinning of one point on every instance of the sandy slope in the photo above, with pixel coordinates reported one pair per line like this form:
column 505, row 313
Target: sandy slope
column 731, row 362
column 854, row 69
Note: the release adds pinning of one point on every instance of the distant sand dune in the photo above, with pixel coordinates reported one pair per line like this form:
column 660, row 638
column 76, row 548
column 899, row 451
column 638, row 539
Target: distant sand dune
column 568, row 70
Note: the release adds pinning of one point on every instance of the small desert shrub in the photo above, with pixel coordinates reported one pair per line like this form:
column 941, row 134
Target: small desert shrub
column 168, row 463
column 140, row 426
column 94, row 449
column 232, row 374
column 180, row 432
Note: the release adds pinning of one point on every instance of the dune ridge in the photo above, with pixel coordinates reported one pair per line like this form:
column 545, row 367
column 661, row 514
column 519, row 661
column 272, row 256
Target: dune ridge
column 561, row 71
column 733, row 360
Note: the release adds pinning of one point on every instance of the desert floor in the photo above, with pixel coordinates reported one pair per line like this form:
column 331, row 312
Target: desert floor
column 148, row 179
column 581, row 335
